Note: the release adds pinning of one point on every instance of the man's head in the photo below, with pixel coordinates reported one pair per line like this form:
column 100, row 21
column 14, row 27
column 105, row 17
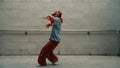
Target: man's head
column 57, row 13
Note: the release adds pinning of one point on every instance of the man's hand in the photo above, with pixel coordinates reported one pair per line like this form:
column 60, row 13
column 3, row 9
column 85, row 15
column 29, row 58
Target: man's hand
column 48, row 25
column 44, row 17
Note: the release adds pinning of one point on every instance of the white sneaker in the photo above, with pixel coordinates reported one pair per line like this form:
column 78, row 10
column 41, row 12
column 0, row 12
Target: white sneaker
column 53, row 63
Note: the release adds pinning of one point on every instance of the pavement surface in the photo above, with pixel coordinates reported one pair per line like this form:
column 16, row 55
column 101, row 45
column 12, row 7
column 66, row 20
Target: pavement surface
column 64, row 62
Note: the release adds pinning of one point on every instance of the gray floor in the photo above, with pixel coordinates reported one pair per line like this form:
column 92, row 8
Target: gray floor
column 64, row 62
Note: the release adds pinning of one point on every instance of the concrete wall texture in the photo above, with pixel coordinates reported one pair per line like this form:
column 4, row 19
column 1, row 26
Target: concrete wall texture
column 73, row 43
column 80, row 16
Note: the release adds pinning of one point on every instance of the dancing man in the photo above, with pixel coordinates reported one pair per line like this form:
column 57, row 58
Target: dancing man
column 55, row 38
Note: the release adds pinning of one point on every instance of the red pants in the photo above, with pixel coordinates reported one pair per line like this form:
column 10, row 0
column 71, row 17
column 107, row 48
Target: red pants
column 47, row 52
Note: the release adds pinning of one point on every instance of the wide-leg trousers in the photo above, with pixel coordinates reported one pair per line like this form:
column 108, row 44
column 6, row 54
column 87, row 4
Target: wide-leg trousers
column 47, row 52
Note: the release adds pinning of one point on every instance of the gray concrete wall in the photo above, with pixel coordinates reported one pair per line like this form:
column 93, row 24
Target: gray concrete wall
column 77, row 14
column 73, row 43
column 80, row 16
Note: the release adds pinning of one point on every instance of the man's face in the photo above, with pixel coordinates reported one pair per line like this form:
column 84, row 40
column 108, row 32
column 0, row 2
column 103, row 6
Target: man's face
column 56, row 15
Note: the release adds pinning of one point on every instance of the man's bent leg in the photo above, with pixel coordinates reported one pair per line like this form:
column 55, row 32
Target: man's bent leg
column 43, row 54
column 51, row 56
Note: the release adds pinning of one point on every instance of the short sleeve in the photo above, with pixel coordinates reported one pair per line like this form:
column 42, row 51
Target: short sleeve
column 51, row 18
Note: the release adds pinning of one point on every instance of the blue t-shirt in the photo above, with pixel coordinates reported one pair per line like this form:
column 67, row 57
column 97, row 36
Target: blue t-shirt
column 56, row 30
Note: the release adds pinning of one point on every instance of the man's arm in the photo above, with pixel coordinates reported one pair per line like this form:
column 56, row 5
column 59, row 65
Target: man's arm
column 51, row 19
column 48, row 25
